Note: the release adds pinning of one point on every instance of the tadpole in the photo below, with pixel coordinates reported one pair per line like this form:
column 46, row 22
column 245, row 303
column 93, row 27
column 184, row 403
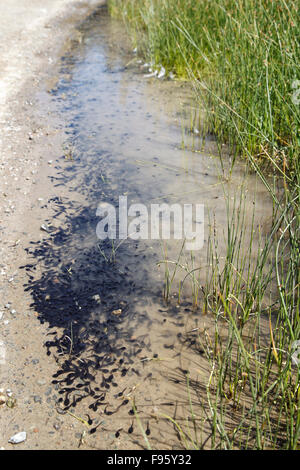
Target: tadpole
column 130, row 430
column 90, row 421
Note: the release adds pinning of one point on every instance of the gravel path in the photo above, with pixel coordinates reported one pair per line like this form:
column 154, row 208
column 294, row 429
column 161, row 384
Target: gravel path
column 33, row 34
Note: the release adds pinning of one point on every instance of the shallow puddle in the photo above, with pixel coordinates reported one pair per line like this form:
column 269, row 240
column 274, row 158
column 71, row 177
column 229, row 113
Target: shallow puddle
column 113, row 336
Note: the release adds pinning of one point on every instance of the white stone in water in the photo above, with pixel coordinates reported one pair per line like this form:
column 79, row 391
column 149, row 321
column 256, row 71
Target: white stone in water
column 43, row 227
column 17, row 438
column 150, row 75
column 162, row 72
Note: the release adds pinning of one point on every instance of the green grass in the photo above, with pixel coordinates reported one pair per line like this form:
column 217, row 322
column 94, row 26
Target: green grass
column 253, row 393
column 242, row 58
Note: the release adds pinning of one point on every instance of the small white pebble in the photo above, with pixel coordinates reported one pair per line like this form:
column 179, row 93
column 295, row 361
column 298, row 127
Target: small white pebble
column 17, row 438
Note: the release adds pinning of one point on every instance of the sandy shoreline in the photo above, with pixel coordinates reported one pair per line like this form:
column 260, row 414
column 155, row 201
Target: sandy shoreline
column 33, row 34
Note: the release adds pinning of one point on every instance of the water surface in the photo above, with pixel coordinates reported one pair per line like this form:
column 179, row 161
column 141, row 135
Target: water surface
column 113, row 335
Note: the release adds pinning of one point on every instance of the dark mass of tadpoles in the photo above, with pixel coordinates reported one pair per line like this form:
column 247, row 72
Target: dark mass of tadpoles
column 93, row 348
column 90, row 345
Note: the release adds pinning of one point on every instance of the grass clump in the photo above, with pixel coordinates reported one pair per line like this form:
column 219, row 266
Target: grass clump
column 252, row 397
column 244, row 57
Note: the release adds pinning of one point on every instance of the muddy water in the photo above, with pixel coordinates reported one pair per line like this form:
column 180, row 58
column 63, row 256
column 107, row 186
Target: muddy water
column 112, row 334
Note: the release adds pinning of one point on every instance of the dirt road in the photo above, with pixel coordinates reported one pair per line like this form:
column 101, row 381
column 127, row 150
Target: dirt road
column 32, row 35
